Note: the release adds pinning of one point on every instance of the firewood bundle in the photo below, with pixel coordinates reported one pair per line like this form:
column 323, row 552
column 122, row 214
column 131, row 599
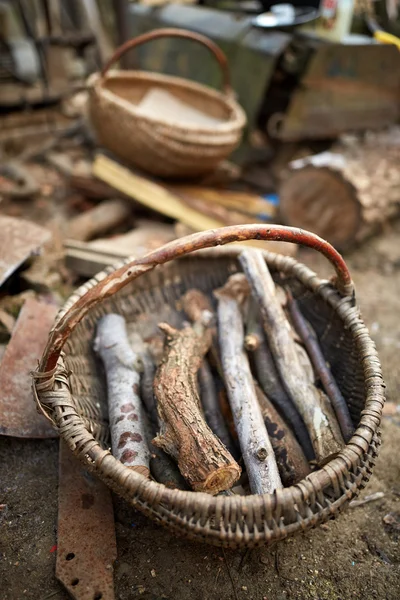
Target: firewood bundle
column 233, row 395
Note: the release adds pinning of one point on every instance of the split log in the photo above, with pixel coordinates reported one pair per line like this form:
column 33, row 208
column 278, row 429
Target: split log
column 202, row 459
column 99, row 220
column 292, row 463
column 212, row 411
column 270, row 381
column 122, row 367
column 312, row 404
column 255, row 444
column 348, row 193
column 321, row 367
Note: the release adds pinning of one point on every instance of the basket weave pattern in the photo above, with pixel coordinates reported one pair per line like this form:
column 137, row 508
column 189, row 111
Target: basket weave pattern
column 73, row 397
column 156, row 144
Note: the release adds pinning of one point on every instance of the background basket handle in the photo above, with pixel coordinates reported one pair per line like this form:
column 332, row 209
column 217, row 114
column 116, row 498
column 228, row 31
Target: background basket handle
column 179, row 33
column 205, row 239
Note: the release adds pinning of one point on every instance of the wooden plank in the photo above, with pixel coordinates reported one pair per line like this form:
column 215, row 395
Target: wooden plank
column 18, row 414
column 243, row 202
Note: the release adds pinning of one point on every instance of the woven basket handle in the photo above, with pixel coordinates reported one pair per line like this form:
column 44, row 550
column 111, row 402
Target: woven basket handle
column 178, row 33
column 214, row 237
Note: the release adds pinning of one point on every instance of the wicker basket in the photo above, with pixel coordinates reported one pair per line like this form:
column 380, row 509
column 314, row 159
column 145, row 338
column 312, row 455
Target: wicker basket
column 70, row 387
column 165, row 145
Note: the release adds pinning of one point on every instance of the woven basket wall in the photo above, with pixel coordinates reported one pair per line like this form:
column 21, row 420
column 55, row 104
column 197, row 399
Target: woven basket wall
column 73, row 397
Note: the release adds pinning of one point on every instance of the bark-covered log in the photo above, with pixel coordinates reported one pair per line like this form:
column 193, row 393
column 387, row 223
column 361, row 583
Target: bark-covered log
column 256, row 447
column 348, row 193
column 292, row 463
column 311, row 402
column 122, row 368
column 202, row 459
column 270, row 380
column 321, row 368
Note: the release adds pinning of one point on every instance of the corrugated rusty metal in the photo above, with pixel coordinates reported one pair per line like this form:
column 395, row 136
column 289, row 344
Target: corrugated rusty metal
column 344, row 88
column 86, row 544
column 19, row 239
column 18, row 414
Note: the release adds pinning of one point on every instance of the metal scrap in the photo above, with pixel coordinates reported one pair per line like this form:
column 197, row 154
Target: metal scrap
column 86, row 545
column 18, row 415
column 19, row 239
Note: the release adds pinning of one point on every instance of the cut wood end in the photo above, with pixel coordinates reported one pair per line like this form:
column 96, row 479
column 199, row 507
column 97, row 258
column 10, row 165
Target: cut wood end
column 237, row 287
column 252, row 342
column 220, row 480
column 141, row 469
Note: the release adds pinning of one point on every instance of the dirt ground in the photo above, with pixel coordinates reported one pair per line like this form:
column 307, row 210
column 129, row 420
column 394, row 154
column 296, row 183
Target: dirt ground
column 355, row 557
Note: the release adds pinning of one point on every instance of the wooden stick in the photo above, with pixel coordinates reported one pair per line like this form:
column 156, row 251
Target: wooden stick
column 194, row 302
column 256, row 447
column 147, row 377
column 212, row 411
column 100, row 219
column 270, row 381
column 202, row 459
column 292, row 463
column 122, row 367
column 311, row 403
column 310, row 341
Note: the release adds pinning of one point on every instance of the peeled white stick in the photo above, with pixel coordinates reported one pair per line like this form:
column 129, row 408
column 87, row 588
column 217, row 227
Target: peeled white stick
column 122, row 367
column 312, row 403
column 258, row 454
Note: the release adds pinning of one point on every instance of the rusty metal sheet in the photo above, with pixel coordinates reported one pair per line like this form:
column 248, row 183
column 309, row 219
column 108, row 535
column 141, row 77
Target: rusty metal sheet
column 18, row 414
column 86, row 544
column 19, row 239
column 345, row 88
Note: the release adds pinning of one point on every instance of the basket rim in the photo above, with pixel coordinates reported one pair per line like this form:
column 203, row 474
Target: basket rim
column 146, row 494
column 237, row 116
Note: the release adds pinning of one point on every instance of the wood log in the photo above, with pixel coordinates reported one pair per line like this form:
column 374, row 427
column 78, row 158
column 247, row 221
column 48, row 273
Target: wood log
column 292, row 463
column 123, row 367
column 211, row 407
column 255, row 444
column 347, row 194
column 99, row 220
column 321, row 367
column 202, row 459
column 312, row 404
column 270, row 380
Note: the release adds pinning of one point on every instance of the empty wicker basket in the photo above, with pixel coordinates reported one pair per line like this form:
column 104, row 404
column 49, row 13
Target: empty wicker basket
column 165, row 125
column 70, row 388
